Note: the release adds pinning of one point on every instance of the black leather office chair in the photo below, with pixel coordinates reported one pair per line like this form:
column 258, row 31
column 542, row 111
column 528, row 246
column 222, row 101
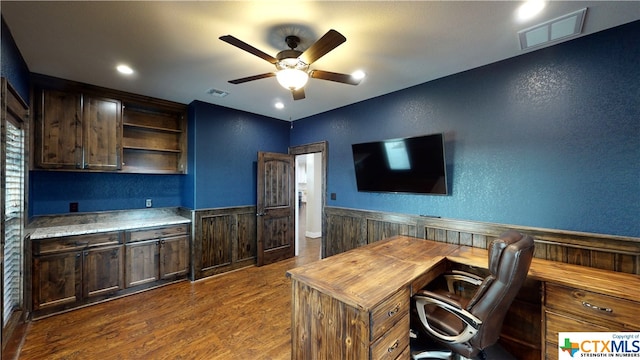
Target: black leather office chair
column 468, row 326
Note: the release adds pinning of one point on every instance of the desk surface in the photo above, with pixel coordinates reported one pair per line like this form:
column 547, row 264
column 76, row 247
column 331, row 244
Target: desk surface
column 364, row 276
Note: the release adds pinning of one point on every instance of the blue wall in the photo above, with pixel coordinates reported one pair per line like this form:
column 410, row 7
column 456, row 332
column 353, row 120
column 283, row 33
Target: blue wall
column 224, row 145
column 13, row 66
column 52, row 191
column 548, row 139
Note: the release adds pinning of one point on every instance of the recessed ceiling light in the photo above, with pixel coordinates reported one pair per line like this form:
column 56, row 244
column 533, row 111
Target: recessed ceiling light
column 124, row 69
column 530, row 9
column 279, row 105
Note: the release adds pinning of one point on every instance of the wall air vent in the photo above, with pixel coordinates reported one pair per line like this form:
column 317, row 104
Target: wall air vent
column 552, row 31
column 217, row 93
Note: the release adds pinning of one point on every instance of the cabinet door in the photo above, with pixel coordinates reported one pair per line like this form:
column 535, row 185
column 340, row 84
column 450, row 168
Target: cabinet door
column 57, row 279
column 102, row 123
column 59, row 130
column 174, row 257
column 142, row 262
column 103, row 271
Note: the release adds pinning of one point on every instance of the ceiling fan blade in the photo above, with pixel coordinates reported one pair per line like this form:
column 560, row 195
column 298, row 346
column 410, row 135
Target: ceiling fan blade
column 248, row 48
column 332, row 76
column 326, row 43
column 298, row 94
column 251, row 78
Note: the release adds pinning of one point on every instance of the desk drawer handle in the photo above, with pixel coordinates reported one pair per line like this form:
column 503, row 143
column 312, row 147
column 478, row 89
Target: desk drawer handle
column 393, row 311
column 393, row 347
column 598, row 308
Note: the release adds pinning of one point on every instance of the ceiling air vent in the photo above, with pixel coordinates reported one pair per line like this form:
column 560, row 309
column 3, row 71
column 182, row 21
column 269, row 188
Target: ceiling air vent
column 552, row 31
column 217, row 93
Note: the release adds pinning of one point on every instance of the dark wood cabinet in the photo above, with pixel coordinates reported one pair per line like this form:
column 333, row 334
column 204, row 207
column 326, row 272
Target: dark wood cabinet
column 157, row 254
column 174, row 257
column 77, row 131
column 102, row 271
column 83, row 127
column 70, row 270
column 57, row 280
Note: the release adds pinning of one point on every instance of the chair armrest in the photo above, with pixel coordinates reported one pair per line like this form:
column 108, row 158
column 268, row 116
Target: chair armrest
column 439, row 297
column 472, row 323
column 458, row 275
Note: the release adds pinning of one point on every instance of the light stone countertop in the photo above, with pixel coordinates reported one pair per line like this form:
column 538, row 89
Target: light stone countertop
column 66, row 225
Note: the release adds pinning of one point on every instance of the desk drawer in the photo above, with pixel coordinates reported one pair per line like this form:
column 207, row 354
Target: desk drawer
column 593, row 307
column 156, row 233
column 385, row 315
column 556, row 323
column 393, row 343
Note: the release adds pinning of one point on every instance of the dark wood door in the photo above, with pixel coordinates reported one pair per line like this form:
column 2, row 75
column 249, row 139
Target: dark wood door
column 142, row 262
column 59, row 130
column 103, row 271
column 57, row 279
column 275, row 207
column 102, row 142
column 174, row 257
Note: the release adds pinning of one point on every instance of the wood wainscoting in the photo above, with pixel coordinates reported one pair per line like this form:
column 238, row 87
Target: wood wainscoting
column 224, row 239
column 351, row 228
column 521, row 333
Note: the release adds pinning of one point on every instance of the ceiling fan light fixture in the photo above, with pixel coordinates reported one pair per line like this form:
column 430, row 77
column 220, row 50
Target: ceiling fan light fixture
column 292, row 79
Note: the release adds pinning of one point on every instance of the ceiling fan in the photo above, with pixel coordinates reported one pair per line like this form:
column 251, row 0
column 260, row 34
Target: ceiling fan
column 292, row 66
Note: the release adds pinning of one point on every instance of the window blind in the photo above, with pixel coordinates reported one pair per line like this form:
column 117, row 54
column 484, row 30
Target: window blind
column 14, row 210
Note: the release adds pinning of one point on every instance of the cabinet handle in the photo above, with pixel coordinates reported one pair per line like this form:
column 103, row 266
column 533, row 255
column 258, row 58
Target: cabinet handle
column 598, row 308
column 78, row 255
column 393, row 347
column 393, row 311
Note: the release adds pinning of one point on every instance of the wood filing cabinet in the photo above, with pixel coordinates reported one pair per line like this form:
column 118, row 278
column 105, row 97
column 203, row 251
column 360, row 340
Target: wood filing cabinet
column 569, row 309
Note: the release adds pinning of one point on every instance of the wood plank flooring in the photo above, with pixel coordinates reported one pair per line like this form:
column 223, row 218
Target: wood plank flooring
column 244, row 314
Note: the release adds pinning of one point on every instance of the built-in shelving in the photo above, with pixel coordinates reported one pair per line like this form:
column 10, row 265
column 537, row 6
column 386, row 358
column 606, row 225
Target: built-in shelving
column 153, row 141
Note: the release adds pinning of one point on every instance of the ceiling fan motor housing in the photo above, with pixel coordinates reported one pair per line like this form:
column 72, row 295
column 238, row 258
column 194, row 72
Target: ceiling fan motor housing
column 288, row 59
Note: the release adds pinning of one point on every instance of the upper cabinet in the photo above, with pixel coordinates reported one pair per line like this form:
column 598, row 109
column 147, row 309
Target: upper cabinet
column 74, row 131
column 86, row 128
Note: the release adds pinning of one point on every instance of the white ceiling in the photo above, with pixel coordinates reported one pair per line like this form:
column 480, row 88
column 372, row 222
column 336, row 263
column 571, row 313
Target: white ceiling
column 175, row 50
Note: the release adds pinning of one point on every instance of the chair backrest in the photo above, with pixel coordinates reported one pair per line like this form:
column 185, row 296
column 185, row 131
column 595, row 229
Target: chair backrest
column 509, row 260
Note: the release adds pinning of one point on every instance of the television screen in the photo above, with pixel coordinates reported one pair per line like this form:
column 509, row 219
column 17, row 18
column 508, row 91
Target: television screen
column 410, row 165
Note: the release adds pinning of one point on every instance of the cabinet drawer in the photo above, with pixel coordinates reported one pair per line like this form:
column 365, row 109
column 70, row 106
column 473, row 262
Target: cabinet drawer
column 593, row 307
column 155, row 233
column 394, row 342
column 68, row 243
column 385, row 315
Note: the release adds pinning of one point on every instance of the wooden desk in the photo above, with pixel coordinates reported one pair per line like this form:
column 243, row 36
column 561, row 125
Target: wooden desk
column 355, row 305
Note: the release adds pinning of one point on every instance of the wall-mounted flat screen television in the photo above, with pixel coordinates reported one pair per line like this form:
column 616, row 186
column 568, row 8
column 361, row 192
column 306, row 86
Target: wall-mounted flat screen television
column 409, row 165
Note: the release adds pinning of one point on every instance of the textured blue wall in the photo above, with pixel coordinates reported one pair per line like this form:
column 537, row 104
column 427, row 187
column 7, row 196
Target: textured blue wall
column 52, row 191
column 13, row 68
column 224, row 145
column 548, row 139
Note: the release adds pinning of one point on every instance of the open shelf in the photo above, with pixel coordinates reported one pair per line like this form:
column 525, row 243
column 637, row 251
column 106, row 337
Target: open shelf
column 153, row 141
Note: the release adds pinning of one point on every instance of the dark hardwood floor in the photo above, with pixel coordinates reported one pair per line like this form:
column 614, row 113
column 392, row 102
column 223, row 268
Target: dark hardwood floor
column 244, row 314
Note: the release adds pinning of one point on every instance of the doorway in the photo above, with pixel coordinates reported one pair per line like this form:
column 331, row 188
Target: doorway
column 310, row 184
